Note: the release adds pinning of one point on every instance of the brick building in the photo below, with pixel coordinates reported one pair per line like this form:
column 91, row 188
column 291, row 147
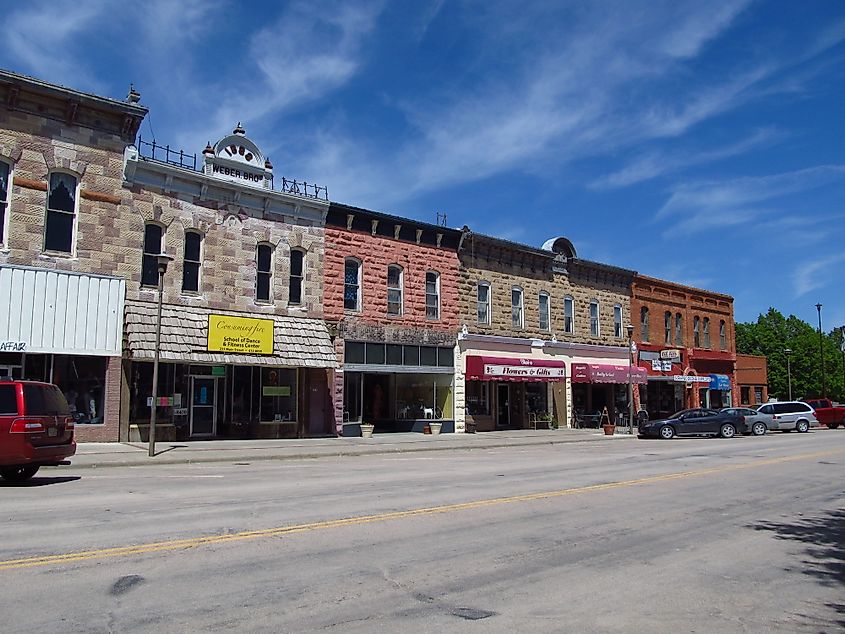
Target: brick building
column 391, row 297
column 752, row 379
column 63, row 266
column 686, row 343
column 543, row 332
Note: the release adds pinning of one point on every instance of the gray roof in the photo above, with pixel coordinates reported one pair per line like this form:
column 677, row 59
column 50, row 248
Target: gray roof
column 298, row 341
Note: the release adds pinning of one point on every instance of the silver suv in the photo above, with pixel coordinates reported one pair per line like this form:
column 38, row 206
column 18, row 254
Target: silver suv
column 789, row 415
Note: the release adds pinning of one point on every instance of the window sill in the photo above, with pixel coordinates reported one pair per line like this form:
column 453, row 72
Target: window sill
column 64, row 255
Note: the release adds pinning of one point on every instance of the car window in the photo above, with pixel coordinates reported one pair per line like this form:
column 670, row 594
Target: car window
column 8, row 400
column 766, row 409
column 781, row 408
column 44, row 400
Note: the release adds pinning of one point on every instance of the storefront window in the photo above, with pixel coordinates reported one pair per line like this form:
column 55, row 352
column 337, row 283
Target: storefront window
column 172, row 393
column 758, row 395
column 423, row 396
column 82, row 380
column 351, row 396
column 245, row 394
column 537, row 398
column 478, row 398
column 278, row 394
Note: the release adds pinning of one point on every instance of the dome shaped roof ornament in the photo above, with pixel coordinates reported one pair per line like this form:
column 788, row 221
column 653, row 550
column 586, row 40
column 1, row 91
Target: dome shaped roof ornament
column 560, row 246
column 239, row 130
column 208, row 149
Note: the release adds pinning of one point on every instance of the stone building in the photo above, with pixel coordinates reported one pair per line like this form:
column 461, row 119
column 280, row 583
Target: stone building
column 686, row 342
column 391, row 297
column 543, row 333
column 244, row 349
column 64, row 232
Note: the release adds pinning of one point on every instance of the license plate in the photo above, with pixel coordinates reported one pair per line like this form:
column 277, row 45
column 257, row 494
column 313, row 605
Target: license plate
column 52, row 431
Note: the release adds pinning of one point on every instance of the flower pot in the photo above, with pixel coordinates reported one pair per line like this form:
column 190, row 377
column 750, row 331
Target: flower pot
column 470, row 428
column 426, row 429
column 609, row 430
column 435, row 428
column 367, row 430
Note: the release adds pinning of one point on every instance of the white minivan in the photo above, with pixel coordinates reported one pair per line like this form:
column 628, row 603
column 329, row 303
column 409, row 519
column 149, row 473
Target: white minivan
column 789, row 415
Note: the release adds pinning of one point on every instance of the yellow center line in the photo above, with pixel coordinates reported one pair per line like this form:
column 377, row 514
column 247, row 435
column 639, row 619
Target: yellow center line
column 193, row 542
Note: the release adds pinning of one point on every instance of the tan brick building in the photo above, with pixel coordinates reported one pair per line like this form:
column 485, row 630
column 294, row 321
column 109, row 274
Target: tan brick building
column 543, row 332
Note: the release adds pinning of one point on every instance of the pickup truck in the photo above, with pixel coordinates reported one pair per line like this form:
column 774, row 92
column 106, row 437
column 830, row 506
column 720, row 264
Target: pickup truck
column 828, row 414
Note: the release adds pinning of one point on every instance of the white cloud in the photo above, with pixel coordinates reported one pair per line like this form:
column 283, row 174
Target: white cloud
column 818, row 273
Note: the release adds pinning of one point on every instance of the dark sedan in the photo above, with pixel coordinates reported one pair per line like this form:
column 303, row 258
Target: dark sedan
column 693, row 422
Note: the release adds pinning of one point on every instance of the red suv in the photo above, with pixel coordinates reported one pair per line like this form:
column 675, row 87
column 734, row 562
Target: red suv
column 36, row 428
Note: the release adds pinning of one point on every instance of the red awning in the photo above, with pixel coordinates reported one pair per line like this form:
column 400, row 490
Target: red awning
column 600, row 373
column 508, row 369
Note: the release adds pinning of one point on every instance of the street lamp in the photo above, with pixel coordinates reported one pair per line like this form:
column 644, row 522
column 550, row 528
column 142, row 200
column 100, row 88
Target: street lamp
column 788, row 354
column 630, row 329
column 821, row 353
column 162, row 262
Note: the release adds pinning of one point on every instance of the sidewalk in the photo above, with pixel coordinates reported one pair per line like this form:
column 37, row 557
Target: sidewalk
column 135, row 454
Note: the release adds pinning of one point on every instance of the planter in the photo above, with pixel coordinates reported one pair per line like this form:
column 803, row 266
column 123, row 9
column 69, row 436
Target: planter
column 435, row 428
column 367, row 430
column 427, row 429
column 470, row 428
column 609, row 430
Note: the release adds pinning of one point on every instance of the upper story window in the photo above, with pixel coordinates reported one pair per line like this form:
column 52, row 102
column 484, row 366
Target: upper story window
column 545, row 311
column 723, row 335
column 617, row 321
column 394, row 289
column 153, row 241
column 432, row 295
column 696, row 331
column 679, row 329
column 595, row 330
column 568, row 315
column 263, row 272
column 352, row 284
column 644, row 323
column 297, row 274
column 483, row 302
column 707, row 332
column 517, row 308
column 667, row 328
column 61, row 213
column 5, row 188
column 192, row 262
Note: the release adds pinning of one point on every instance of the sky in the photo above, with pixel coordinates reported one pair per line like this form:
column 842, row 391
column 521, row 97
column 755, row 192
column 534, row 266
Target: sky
column 699, row 142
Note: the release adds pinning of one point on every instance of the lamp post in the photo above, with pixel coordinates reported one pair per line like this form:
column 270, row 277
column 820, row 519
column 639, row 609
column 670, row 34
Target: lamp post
column 162, row 261
column 788, row 354
column 821, row 352
column 630, row 384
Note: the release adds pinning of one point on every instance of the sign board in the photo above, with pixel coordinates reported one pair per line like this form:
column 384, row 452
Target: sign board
column 670, row 354
column 523, row 371
column 666, row 366
column 656, row 365
column 180, row 411
column 242, row 335
column 218, row 370
column 12, row 346
column 688, row 378
column 275, row 390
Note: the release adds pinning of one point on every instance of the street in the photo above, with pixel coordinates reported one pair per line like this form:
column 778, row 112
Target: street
column 688, row 535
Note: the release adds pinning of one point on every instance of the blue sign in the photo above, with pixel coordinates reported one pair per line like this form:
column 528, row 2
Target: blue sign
column 720, row 382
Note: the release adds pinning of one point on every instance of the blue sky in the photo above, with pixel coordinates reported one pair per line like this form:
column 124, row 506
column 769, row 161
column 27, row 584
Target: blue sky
column 701, row 142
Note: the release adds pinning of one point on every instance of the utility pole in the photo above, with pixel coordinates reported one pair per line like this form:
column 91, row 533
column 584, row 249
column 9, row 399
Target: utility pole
column 821, row 353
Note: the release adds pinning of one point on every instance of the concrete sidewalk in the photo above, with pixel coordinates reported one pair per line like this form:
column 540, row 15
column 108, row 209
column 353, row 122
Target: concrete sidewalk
column 135, row 454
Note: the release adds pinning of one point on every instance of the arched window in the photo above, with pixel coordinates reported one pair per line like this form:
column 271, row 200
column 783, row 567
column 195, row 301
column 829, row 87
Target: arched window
column 667, row 328
column 5, row 189
column 263, row 272
column 153, row 247
column 544, row 306
column 192, row 262
column 644, row 335
column 617, row 321
column 595, row 328
column 679, row 329
column 352, row 284
column 707, row 332
column 297, row 274
column 395, row 282
column 568, row 315
column 483, row 302
column 723, row 335
column 696, row 332
column 61, row 213
column 432, row 295
column 517, row 308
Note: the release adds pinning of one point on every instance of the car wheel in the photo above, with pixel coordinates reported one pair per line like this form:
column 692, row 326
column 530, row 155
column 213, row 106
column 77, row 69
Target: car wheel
column 727, row 431
column 802, row 427
column 758, row 429
column 667, row 432
column 833, row 425
column 21, row 473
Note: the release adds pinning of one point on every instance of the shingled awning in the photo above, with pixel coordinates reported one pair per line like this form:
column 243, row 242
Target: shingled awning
column 298, row 341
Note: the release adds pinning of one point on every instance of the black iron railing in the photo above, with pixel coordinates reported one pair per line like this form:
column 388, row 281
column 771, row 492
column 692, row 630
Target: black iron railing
column 301, row 188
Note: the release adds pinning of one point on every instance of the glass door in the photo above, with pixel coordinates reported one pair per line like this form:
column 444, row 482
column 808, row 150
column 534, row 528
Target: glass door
column 203, row 406
column 503, row 405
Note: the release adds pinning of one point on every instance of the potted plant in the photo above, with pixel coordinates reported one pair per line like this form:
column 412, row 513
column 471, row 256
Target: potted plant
column 367, row 430
column 435, row 427
column 548, row 419
column 609, row 429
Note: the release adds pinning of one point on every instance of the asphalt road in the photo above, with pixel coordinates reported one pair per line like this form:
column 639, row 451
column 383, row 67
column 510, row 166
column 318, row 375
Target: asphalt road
column 693, row 535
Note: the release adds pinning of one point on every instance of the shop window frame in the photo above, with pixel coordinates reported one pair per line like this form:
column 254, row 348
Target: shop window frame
column 617, row 321
column 356, row 285
column 54, row 212
column 517, row 308
column 679, row 329
column 667, row 327
column 569, row 314
column 595, row 319
column 486, row 303
column 262, row 273
column 547, row 313
column 723, row 335
column 397, row 288
column 149, row 260
column 696, row 331
column 705, row 329
column 432, row 298
column 296, row 280
column 190, row 264
column 645, row 335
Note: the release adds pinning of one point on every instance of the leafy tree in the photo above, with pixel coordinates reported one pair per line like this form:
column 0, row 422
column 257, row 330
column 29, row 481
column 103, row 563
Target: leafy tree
column 772, row 334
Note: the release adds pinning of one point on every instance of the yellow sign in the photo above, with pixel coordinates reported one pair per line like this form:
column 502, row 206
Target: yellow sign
column 240, row 335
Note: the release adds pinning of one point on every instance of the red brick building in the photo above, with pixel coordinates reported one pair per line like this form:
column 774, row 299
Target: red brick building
column 752, row 379
column 391, row 299
column 686, row 342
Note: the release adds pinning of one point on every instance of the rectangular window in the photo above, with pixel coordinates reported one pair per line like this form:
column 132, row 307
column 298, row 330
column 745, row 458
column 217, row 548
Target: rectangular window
column 745, row 392
column 8, row 400
column 594, row 318
column 723, row 336
column 483, row 303
column 617, row 321
column 61, row 213
column 191, row 264
column 545, row 315
column 758, row 395
column 432, row 295
column 278, row 394
column 568, row 315
column 696, row 332
column 667, row 328
column 517, row 316
column 707, row 332
column 352, row 285
column 679, row 330
column 394, row 354
column 152, row 249
column 264, row 272
column 5, row 188
column 478, row 398
column 297, row 273
column 644, row 333
column 394, row 290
